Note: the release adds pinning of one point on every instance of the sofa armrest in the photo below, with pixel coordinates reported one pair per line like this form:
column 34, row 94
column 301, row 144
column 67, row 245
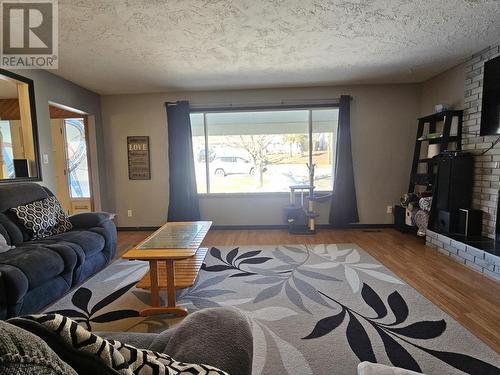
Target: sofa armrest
column 13, row 287
column 101, row 223
column 90, row 219
column 3, row 299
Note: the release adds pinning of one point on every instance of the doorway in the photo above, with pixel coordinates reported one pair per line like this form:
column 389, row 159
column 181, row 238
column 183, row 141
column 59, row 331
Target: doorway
column 70, row 151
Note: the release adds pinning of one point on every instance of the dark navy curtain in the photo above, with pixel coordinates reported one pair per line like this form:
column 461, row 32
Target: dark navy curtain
column 344, row 207
column 183, row 200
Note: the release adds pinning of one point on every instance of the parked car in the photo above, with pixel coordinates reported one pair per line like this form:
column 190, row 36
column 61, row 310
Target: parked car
column 201, row 155
column 225, row 165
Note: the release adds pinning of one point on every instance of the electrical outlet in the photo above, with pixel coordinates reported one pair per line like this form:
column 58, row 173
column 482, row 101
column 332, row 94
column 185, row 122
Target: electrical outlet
column 129, row 213
column 389, row 209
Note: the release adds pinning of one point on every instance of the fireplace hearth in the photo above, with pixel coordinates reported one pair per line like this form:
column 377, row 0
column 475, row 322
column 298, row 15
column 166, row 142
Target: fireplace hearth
column 481, row 254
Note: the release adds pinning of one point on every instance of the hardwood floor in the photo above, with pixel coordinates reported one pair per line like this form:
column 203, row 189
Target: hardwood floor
column 470, row 298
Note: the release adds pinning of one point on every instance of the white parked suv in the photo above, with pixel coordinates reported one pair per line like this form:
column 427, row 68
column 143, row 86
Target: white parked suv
column 224, row 165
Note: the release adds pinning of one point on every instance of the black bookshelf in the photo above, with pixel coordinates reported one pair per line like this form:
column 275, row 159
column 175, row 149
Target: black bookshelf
column 427, row 125
column 424, row 178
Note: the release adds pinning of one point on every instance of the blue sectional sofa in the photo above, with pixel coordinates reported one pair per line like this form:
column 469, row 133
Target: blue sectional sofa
column 36, row 273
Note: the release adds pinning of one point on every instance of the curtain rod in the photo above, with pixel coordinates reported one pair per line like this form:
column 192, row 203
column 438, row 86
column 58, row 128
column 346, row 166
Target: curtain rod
column 249, row 104
column 268, row 103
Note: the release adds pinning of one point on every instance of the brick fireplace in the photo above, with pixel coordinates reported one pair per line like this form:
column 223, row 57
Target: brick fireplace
column 486, row 176
column 487, row 167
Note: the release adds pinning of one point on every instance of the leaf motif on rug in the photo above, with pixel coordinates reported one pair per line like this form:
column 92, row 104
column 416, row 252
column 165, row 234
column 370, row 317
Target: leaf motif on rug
column 233, row 261
column 352, row 264
column 393, row 335
column 292, row 360
column 285, row 278
column 86, row 315
column 202, row 294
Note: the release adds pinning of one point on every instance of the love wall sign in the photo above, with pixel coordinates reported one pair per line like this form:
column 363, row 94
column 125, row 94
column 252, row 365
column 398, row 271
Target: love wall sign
column 139, row 167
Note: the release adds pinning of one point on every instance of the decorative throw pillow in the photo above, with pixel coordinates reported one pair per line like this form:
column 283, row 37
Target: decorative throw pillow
column 118, row 357
column 43, row 218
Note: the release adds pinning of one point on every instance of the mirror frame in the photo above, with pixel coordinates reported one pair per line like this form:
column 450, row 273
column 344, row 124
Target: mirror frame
column 34, row 126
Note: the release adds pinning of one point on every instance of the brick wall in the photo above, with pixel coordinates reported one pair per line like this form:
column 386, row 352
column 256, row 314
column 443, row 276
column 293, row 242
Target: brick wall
column 486, row 173
column 487, row 167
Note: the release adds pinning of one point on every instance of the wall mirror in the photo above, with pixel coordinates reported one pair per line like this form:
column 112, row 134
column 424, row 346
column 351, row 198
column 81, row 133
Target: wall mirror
column 19, row 159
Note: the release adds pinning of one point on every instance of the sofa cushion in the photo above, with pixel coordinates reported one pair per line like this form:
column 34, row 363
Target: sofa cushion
column 117, row 356
column 87, row 241
column 40, row 296
column 43, row 218
column 39, row 264
column 17, row 194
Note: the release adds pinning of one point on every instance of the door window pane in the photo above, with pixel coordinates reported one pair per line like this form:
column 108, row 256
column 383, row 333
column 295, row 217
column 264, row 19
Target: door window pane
column 78, row 171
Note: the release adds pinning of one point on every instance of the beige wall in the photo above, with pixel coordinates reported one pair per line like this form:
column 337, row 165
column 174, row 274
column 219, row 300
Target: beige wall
column 383, row 131
column 445, row 88
column 51, row 88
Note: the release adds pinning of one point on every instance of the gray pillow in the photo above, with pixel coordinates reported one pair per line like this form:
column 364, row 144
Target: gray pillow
column 43, row 218
column 21, row 352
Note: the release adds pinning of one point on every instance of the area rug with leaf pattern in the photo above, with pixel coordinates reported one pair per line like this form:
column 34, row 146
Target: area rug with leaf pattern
column 315, row 309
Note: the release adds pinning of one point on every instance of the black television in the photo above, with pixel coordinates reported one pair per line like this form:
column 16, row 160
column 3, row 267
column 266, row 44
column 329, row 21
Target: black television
column 490, row 113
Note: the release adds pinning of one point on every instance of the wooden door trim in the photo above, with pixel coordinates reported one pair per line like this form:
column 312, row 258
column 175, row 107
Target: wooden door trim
column 89, row 163
column 60, row 113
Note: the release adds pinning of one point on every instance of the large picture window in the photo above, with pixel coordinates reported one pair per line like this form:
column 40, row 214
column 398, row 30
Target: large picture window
column 263, row 151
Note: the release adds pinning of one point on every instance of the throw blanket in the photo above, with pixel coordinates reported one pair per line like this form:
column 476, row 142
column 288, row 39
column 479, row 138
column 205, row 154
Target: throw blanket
column 123, row 358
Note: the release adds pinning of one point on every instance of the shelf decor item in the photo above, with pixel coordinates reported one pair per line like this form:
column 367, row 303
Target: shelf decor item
column 441, row 107
column 421, row 221
column 432, row 151
column 434, row 135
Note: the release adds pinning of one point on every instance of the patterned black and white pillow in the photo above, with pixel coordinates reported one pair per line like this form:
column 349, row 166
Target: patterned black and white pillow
column 43, row 218
column 119, row 357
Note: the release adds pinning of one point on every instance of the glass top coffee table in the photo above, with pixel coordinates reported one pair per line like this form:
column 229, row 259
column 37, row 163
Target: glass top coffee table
column 175, row 258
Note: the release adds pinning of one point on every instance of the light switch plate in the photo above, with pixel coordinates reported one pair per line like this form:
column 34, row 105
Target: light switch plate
column 45, row 158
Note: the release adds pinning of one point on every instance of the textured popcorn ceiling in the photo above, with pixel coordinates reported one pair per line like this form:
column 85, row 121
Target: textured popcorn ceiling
column 154, row 45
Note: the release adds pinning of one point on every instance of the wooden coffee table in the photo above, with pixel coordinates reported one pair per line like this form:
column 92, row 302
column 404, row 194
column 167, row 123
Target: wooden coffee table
column 175, row 258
